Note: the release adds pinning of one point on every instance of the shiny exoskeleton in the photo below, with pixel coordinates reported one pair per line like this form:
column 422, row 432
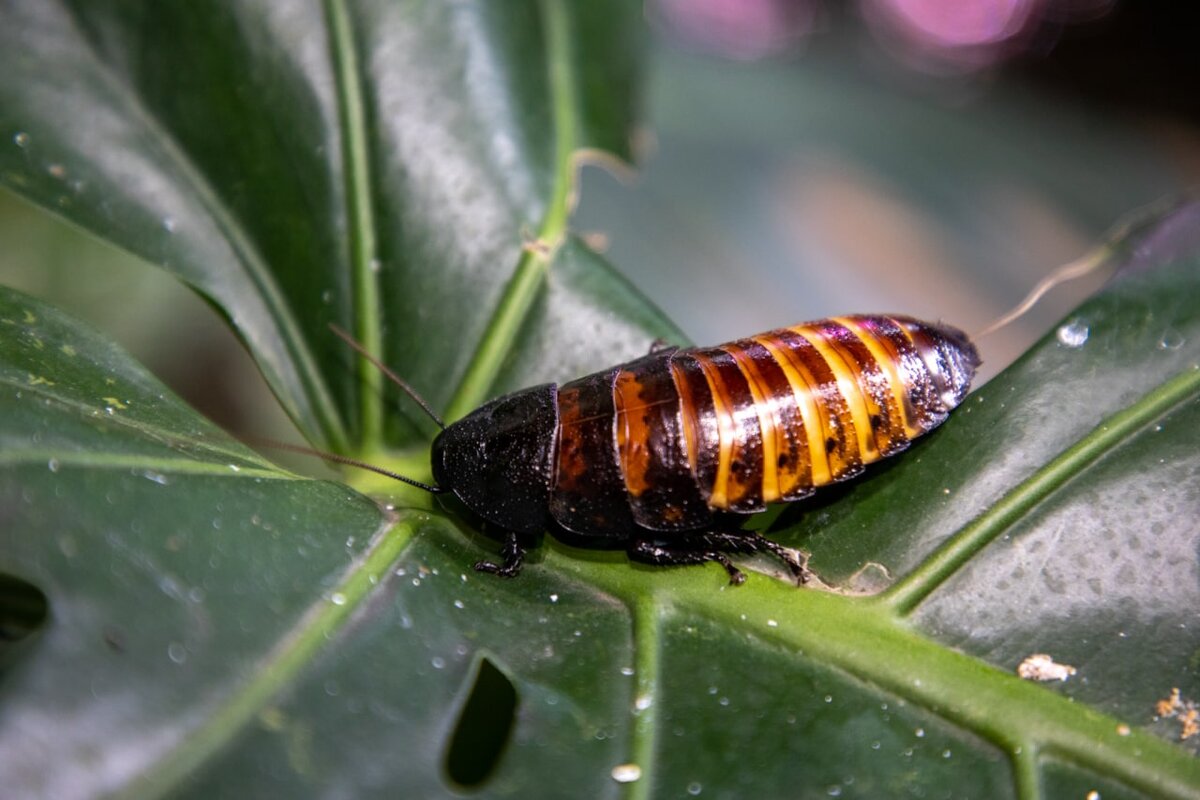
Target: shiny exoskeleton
column 657, row 454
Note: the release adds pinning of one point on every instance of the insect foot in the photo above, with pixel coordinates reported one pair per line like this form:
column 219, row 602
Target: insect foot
column 512, row 553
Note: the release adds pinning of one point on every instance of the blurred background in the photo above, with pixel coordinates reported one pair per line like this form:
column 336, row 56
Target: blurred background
column 798, row 159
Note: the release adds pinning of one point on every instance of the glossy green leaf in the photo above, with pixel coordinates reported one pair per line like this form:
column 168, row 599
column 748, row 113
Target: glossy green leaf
column 264, row 637
column 216, row 626
column 367, row 164
column 155, row 539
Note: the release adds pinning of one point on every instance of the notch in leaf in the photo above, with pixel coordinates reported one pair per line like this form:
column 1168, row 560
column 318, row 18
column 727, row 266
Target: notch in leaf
column 483, row 728
column 23, row 610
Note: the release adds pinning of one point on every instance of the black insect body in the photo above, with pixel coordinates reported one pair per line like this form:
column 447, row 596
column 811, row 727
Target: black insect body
column 655, row 455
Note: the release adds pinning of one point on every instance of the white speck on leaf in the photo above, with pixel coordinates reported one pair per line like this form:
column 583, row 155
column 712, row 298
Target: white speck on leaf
column 1073, row 333
column 1042, row 667
column 626, row 773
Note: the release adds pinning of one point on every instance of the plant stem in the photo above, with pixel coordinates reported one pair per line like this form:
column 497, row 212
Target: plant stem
column 536, row 257
column 361, row 214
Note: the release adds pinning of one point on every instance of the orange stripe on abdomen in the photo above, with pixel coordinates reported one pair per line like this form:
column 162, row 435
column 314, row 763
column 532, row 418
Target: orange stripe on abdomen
column 775, row 416
column 787, row 465
column 876, row 381
column 662, row 491
column 723, row 420
column 632, row 432
column 889, row 348
column 829, row 424
column 857, row 421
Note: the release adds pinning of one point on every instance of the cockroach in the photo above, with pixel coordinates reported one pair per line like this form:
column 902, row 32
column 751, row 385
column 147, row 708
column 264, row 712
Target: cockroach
column 664, row 455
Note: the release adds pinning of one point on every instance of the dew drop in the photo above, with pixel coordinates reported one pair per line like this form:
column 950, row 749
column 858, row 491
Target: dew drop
column 694, row 788
column 21, row 139
column 438, row 662
column 626, row 671
column 458, row 603
column 554, row 598
column 168, row 586
column 643, row 702
column 626, row 773
column 168, row 224
column 177, row 652
column 155, row 477
column 52, row 465
column 338, row 599
column 68, row 546
column 1171, row 340
column 1073, row 333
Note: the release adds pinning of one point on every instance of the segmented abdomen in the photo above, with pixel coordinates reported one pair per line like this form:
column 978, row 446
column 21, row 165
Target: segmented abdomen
column 775, row 416
column 754, row 421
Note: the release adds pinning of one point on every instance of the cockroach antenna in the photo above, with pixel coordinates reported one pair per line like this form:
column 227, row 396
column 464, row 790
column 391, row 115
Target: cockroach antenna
column 392, row 376
column 1102, row 258
column 1090, row 262
column 354, row 462
column 272, row 444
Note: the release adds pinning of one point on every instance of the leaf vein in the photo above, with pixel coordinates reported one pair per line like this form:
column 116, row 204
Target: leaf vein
column 239, row 240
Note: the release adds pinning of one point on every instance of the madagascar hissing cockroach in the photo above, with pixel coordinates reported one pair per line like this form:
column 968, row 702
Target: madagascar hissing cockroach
column 660, row 455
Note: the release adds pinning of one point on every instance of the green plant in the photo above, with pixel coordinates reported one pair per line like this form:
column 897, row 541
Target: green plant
column 218, row 625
